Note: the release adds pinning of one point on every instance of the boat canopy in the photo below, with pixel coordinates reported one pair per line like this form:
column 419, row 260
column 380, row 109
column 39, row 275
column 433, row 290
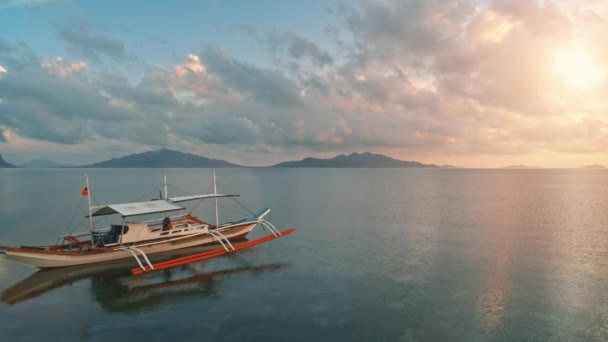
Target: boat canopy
column 136, row 208
column 197, row 197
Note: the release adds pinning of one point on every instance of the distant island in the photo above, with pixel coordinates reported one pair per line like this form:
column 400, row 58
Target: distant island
column 42, row 164
column 163, row 158
column 166, row 158
column 365, row 159
column 594, row 166
column 4, row 164
column 521, row 166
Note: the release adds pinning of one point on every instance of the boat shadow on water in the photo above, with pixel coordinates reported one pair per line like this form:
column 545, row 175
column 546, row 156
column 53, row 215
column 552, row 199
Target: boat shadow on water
column 117, row 290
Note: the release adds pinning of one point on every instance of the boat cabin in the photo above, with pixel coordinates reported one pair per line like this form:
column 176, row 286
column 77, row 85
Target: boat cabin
column 159, row 228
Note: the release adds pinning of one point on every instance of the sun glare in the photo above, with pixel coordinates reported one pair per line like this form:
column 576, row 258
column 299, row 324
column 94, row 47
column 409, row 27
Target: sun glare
column 577, row 68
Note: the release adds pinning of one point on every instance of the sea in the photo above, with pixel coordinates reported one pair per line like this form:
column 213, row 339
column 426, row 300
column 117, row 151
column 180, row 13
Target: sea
column 377, row 255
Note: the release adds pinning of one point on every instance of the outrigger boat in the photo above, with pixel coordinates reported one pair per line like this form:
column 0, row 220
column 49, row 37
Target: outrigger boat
column 138, row 239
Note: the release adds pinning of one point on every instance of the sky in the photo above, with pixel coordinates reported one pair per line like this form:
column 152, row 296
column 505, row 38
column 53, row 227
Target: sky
column 473, row 83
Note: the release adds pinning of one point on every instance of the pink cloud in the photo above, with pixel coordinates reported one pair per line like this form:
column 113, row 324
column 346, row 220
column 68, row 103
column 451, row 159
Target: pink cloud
column 191, row 78
column 60, row 67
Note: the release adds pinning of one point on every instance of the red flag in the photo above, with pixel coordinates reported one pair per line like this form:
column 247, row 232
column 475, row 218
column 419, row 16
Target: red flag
column 84, row 191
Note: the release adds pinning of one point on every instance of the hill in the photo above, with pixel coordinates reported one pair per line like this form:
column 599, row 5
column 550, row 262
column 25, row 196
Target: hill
column 5, row 165
column 365, row 159
column 163, row 158
column 42, row 164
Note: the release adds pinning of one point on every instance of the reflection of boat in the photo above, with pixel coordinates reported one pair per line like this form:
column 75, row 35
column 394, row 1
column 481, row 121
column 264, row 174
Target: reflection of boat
column 116, row 289
column 139, row 239
column 139, row 295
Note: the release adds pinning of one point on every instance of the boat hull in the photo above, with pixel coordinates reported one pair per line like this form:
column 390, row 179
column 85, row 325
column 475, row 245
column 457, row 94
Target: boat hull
column 47, row 260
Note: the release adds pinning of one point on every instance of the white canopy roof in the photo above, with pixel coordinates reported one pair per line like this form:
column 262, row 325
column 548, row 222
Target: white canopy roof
column 197, row 197
column 137, row 208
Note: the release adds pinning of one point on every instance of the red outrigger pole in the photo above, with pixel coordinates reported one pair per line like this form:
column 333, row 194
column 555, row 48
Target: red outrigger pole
column 207, row 255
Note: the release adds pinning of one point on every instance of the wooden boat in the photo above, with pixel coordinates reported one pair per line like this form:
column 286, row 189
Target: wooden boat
column 138, row 239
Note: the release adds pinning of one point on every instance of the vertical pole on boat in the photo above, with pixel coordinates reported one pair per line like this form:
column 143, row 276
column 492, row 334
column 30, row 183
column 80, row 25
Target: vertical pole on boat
column 86, row 175
column 217, row 217
column 166, row 194
column 165, row 187
column 122, row 231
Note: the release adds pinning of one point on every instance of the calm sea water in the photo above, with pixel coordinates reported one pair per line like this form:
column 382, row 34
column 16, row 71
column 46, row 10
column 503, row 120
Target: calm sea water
column 378, row 255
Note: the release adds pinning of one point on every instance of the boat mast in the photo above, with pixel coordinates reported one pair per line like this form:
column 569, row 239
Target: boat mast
column 86, row 175
column 217, row 217
column 165, row 187
column 166, row 195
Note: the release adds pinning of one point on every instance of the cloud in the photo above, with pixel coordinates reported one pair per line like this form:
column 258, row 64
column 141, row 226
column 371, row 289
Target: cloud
column 60, row 67
column 55, row 101
column 489, row 27
column 300, row 47
column 192, row 63
column 6, row 135
column 191, row 81
column 85, row 41
column 292, row 49
column 421, row 77
column 4, row 46
column 268, row 86
column 411, row 31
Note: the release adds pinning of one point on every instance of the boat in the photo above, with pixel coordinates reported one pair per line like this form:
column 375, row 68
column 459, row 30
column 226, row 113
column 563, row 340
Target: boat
column 131, row 238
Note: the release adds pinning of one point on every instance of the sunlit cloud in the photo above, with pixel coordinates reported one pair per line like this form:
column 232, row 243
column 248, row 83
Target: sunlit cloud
column 577, row 68
column 490, row 27
column 60, row 67
column 191, row 63
column 7, row 134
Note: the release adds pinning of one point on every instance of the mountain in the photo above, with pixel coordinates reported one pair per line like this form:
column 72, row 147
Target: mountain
column 161, row 158
column 594, row 166
column 365, row 159
column 4, row 164
column 42, row 164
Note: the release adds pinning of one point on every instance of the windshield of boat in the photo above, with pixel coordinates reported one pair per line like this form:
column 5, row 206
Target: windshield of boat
column 117, row 229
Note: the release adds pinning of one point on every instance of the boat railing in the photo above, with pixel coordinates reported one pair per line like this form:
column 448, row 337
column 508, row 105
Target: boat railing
column 160, row 220
column 175, row 220
column 87, row 233
column 68, row 237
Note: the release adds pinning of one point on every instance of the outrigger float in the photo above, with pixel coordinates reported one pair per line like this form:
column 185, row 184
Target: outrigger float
column 139, row 239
